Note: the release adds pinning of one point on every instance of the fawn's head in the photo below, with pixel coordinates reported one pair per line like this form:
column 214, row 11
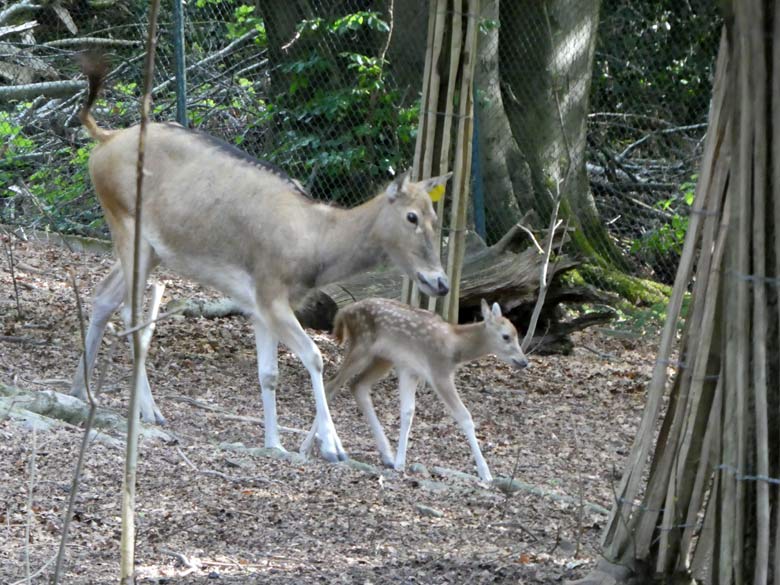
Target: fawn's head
column 502, row 337
column 407, row 229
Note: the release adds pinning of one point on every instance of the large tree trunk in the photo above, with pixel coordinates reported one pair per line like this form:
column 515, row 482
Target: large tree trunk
column 545, row 88
column 505, row 177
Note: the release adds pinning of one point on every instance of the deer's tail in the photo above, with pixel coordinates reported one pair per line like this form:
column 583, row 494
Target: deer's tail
column 340, row 327
column 95, row 68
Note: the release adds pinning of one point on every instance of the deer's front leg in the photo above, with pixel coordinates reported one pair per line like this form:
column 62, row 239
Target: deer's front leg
column 293, row 336
column 449, row 395
column 268, row 372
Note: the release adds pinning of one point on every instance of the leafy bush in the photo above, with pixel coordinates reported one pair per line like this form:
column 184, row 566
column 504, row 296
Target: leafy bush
column 663, row 245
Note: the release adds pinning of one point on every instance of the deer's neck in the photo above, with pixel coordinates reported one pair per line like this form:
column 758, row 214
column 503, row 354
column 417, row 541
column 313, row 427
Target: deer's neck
column 470, row 342
column 348, row 244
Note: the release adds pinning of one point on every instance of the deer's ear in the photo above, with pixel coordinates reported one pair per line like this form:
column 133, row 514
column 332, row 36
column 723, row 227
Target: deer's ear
column 486, row 314
column 496, row 310
column 397, row 187
column 430, row 184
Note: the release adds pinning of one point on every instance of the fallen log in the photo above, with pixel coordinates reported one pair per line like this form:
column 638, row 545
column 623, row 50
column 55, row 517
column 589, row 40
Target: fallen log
column 47, row 408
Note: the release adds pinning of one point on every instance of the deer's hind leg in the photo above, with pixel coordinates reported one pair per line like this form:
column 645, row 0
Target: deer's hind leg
column 108, row 297
column 268, row 373
column 407, row 388
column 148, row 260
column 361, row 389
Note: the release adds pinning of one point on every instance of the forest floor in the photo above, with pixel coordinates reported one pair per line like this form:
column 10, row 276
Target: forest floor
column 565, row 425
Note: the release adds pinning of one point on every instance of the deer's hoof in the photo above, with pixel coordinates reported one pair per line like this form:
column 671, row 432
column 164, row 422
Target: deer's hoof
column 153, row 418
column 334, row 456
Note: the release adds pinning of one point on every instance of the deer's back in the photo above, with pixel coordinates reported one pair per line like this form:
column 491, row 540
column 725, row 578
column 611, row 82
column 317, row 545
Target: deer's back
column 207, row 206
column 396, row 332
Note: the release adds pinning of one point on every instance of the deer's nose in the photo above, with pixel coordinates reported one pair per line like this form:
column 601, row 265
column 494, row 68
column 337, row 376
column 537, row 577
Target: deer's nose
column 443, row 285
column 520, row 363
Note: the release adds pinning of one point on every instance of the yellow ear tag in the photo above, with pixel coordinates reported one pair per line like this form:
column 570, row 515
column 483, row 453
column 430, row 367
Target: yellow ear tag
column 436, row 193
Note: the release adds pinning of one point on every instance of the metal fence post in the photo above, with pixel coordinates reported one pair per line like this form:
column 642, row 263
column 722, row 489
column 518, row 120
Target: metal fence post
column 181, row 72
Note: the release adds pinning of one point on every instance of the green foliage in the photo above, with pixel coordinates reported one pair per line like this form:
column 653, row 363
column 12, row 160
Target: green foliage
column 244, row 20
column 62, row 179
column 659, row 52
column 648, row 320
column 339, row 118
column 665, row 242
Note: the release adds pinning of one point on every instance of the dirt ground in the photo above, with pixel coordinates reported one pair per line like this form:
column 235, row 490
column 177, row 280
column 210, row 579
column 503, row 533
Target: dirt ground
column 564, row 425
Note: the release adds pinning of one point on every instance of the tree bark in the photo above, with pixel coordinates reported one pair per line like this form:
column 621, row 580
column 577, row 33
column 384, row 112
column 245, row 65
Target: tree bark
column 504, row 172
column 545, row 92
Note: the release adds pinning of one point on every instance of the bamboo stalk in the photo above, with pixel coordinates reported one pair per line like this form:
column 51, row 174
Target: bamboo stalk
column 407, row 285
column 679, row 456
column 456, row 242
column 705, row 562
column 456, row 47
column 703, row 477
column 617, row 540
column 729, row 558
column 760, row 333
column 432, row 119
column 687, row 450
column 775, row 194
column 424, row 164
column 747, row 112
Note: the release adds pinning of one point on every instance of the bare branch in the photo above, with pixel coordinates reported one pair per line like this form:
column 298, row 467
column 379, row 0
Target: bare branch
column 246, row 37
column 92, row 42
column 140, row 338
column 17, row 8
column 74, row 487
column 7, row 30
column 47, row 88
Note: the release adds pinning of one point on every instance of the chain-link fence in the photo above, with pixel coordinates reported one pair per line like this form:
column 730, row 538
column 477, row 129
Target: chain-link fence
column 605, row 100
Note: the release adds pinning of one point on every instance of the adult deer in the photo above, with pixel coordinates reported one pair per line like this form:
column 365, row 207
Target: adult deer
column 226, row 220
column 421, row 346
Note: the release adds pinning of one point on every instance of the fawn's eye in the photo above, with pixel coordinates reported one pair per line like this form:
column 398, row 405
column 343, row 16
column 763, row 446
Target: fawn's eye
column 412, row 217
column 506, row 337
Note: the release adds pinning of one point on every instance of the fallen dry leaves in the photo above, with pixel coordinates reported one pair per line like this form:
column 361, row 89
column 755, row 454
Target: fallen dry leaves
column 309, row 522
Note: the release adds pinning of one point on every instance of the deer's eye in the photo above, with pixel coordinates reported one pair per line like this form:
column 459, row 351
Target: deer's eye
column 506, row 337
column 412, row 217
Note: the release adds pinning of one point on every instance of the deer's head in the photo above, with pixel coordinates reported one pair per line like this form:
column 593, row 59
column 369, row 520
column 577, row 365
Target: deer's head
column 407, row 230
column 501, row 337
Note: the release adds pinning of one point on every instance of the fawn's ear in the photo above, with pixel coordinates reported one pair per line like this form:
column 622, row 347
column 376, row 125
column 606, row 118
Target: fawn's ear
column 486, row 314
column 496, row 310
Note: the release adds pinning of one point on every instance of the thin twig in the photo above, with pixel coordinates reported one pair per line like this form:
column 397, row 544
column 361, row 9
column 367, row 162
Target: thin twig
column 74, row 486
column 580, row 490
column 18, row 339
column 28, row 524
column 140, row 338
column 533, row 238
column 230, row 416
column 145, row 324
column 219, row 474
column 9, row 253
column 181, row 558
column 36, row 573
